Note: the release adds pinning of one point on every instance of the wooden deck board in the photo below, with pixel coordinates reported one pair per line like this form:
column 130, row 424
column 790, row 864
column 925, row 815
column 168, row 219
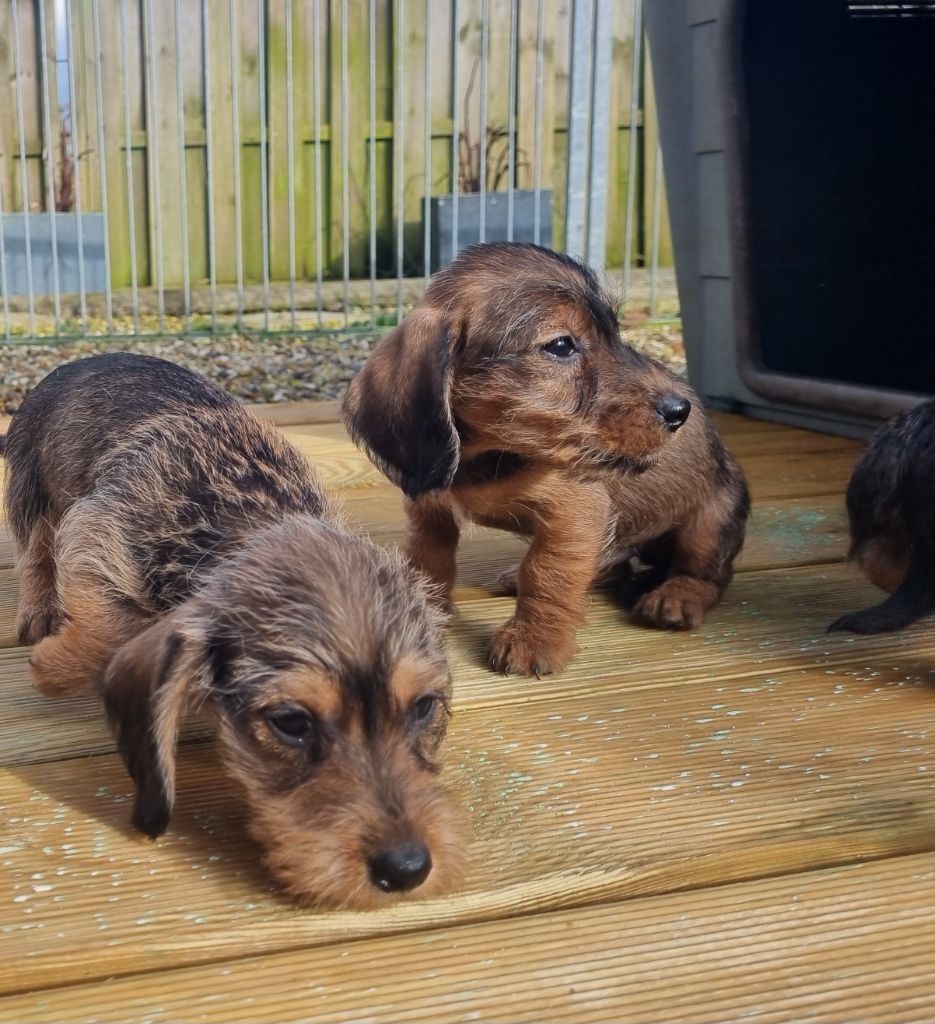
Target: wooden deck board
column 845, row 943
column 760, row 628
column 570, row 806
column 758, row 755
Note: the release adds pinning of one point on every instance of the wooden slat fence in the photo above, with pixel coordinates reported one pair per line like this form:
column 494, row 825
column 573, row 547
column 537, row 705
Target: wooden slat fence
column 140, row 86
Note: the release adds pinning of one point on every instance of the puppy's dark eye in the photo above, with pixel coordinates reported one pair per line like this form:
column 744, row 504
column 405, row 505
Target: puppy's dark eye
column 292, row 726
column 424, row 709
column 561, row 348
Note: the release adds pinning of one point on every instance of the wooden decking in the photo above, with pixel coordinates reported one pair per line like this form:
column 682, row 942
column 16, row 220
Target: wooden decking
column 735, row 823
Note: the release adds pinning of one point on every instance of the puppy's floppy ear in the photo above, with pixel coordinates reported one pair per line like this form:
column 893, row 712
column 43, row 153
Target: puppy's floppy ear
column 145, row 689
column 398, row 408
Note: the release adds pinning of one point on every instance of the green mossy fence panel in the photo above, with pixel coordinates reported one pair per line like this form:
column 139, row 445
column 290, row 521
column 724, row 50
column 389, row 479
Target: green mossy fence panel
column 155, row 146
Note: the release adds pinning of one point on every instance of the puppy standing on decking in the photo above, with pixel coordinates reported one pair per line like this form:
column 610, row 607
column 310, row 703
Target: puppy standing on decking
column 174, row 551
column 507, row 398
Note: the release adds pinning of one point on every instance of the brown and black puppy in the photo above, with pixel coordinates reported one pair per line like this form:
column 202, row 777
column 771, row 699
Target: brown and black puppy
column 176, row 552
column 891, row 507
column 507, row 398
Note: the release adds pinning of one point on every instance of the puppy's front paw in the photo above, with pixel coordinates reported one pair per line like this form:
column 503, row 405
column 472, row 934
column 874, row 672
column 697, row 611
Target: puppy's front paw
column 34, row 624
column 673, row 605
column 517, row 651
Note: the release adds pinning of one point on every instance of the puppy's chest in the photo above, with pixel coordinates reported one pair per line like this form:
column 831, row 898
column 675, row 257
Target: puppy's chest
column 503, row 490
column 489, row 469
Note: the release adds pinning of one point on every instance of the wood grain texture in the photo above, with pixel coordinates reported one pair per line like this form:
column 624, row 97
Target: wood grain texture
column 758, row 755
column 851, row 943
column 572, row 804
column 770, row 624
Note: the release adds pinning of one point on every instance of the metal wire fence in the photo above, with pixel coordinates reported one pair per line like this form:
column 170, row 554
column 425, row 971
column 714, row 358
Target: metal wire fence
column 264, row 166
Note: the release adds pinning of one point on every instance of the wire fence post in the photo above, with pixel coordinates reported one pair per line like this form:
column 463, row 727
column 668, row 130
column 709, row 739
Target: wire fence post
column 75, row 157
column 149, row 46
column 579, row 114
column 345, row 170
column 3, row 277
column 455, row 120
column 601, row 128
column 48, row 162
column 24, row 177
column 633, row 147
column 655, row 233
column 102, row 167
column 209, row 163
column 484, row 100
column 427, row 150
column 290, row 162
column 372, row 161
column 319, row 200
column 511, row 119
column 399, row 112
column 537, row 129
column 183, row 171
column 264, row 181
column 128, row 155
column 235, row 142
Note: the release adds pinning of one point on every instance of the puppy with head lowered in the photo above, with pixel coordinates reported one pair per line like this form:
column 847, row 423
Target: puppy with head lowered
column 507, row 398
column 173, row 552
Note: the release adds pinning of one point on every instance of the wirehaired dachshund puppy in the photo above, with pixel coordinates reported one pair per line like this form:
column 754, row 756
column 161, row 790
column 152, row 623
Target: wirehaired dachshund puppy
column 507, row 398
column 174, row 551
column 891, row 508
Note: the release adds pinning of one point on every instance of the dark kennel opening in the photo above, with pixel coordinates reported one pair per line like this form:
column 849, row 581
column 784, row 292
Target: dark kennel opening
column 840, row 161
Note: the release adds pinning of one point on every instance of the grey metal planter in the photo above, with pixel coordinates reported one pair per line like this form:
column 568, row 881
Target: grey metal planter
column 39, row 226
column 496, row 220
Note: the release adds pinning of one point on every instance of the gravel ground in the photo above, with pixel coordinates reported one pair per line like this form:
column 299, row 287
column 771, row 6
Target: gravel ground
column 270, row 369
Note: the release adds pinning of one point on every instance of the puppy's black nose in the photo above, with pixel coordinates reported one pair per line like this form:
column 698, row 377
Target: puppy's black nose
column 674, row 411
column 401, row 868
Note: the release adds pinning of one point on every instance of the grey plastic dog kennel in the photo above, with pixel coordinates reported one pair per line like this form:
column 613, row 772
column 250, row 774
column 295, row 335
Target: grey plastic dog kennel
column 799, row 155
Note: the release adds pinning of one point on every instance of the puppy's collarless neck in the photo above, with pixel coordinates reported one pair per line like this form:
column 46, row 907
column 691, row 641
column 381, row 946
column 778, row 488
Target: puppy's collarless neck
column 487, row 467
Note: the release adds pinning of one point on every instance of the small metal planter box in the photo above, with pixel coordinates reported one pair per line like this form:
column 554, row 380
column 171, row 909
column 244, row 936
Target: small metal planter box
column 496, row 220
column 40, row 252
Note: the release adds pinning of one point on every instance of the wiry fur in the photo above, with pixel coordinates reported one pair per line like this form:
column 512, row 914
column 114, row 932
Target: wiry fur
column 891, row 508
column 465, row 409
column 175, row 551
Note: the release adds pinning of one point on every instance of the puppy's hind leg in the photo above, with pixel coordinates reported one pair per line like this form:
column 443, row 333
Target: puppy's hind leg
column 907, row 536
column 702, row 564
column 911, row 600
column 33, row 525
column 69, row 662
column 38, row 615
column 95, row 594
column 914, row 599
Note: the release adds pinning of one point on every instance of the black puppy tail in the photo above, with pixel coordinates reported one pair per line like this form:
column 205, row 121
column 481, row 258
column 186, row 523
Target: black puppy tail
column 914, row 598
column 2, row 445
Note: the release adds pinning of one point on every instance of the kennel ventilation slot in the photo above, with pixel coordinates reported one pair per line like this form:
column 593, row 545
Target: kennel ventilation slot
column 871, row 9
